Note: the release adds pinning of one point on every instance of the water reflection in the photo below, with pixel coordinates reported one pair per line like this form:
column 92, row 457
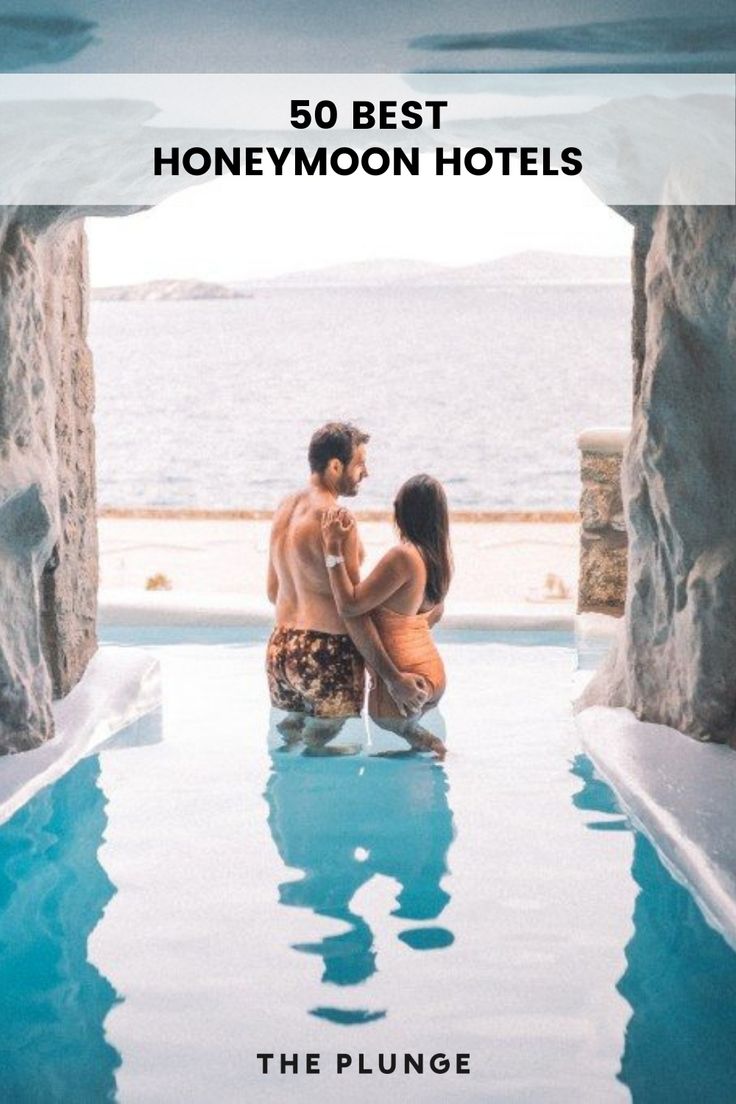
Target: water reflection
column 342, row 820
column 53, row 1002
column 680, row 981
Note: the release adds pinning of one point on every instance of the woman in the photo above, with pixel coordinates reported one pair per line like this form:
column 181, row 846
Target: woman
column 404, row 595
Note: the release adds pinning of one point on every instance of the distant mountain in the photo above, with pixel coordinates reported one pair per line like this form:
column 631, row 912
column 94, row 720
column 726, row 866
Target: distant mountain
column 540, row 268
column 518, row 268
column 358, row 274
column 168, row 289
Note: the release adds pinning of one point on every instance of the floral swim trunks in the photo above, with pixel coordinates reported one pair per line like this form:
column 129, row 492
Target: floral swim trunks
column 312, row 672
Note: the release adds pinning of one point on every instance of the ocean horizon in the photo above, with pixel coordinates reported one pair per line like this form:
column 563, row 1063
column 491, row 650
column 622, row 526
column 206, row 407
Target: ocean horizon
column 210, row 404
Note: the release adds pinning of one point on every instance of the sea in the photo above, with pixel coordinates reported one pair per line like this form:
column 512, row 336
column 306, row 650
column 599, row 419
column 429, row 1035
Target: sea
column 211, row 403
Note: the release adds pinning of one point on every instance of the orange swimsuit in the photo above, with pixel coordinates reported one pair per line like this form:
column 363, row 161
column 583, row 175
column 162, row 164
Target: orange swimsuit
column 408, row 641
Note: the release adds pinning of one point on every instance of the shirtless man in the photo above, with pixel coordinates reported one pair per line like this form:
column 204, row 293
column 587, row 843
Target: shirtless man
column 316, row 660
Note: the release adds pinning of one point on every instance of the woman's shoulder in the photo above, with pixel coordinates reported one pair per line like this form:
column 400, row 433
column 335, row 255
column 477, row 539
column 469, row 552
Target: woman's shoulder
column 409, row 556
column 402, row 558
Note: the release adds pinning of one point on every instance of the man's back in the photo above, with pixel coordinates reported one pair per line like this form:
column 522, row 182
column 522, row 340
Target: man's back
column 304, row 597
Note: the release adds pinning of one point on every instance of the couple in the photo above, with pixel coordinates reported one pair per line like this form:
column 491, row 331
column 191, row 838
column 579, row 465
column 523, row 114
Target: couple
column 330, row 625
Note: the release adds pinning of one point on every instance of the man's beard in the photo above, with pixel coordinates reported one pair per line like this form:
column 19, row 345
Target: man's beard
column 346, row 488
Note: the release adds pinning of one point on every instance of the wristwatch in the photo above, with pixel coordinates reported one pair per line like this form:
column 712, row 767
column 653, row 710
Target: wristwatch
column 333, row 561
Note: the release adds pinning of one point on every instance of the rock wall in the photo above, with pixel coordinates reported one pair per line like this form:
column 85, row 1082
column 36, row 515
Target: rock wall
column 639, row 251
column 46, row 470
column 675, row 662
column 603, row 541
column 69, row 585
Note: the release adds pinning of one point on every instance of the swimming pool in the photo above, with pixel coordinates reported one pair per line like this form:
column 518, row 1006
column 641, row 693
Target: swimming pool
column 173, row 908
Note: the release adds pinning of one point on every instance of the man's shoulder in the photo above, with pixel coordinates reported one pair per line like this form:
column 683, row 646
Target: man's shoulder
column 300, row 515
column 289, row 504
column 289, row 499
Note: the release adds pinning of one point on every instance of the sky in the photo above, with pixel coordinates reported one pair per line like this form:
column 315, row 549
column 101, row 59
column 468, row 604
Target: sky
column 230, row 229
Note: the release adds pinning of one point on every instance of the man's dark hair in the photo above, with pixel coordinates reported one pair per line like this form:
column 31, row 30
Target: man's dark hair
column 334, row 441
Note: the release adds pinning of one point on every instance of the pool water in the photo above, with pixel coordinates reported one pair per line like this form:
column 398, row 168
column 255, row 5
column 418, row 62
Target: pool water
column 172, row 908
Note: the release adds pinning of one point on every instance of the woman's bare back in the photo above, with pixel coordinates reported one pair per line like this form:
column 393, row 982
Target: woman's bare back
column 409, row 599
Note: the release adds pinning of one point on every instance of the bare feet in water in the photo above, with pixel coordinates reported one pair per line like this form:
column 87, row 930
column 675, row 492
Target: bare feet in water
column 421, row 739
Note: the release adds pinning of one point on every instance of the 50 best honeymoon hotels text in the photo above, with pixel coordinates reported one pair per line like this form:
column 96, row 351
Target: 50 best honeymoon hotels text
column 396, row 160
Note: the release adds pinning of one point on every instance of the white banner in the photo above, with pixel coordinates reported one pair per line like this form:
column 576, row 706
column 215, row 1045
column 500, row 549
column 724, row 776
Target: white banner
column 128, row 139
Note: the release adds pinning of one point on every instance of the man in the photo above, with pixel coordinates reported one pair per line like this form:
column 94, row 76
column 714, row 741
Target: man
column 316, row 660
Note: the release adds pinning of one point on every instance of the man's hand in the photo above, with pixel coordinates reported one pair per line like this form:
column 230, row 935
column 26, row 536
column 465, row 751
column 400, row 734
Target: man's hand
column 410, row 692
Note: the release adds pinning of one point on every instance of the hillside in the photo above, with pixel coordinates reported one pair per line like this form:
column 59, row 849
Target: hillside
column 518, row 268
column 168, row 290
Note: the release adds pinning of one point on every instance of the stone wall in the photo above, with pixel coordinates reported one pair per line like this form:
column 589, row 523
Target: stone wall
column 46, row 470
column 603, row 541
column 69, row 591
column 675, row 662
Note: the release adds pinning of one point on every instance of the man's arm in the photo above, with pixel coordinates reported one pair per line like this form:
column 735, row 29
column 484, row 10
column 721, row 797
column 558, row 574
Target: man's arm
column 272, row 579
column 272, row 583
column 279, row 525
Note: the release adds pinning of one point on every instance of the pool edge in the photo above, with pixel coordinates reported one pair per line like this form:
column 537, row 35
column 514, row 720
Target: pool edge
column 119, row 688
column 674, row 789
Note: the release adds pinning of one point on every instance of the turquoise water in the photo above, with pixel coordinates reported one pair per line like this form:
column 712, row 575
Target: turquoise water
column 173, row 907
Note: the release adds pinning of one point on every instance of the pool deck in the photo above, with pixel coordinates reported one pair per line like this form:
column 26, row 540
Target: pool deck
column 219, row 564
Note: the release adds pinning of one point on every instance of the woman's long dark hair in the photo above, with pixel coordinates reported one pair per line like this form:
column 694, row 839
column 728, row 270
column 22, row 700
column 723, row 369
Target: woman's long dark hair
column 420, row 511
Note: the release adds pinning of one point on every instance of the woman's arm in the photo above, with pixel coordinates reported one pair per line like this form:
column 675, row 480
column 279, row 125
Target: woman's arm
column 408, row 691
column 355, row 598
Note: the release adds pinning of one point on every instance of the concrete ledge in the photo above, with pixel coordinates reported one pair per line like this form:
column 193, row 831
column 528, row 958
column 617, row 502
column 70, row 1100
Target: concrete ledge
column 542, row 617
column 679, row 793
column 120, row 686
column 184, row 513
column 176, row 608
column 605, row 440
column 180, row 608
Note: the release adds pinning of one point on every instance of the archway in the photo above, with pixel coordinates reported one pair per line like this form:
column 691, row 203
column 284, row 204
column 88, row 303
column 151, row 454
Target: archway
column 674, row 664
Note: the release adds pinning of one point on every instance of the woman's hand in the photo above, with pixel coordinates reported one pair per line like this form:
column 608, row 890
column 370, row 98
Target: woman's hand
column 410, row 692
column 337, row 524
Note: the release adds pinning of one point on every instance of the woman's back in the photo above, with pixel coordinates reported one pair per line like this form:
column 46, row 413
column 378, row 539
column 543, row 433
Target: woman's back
column 410, row 598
